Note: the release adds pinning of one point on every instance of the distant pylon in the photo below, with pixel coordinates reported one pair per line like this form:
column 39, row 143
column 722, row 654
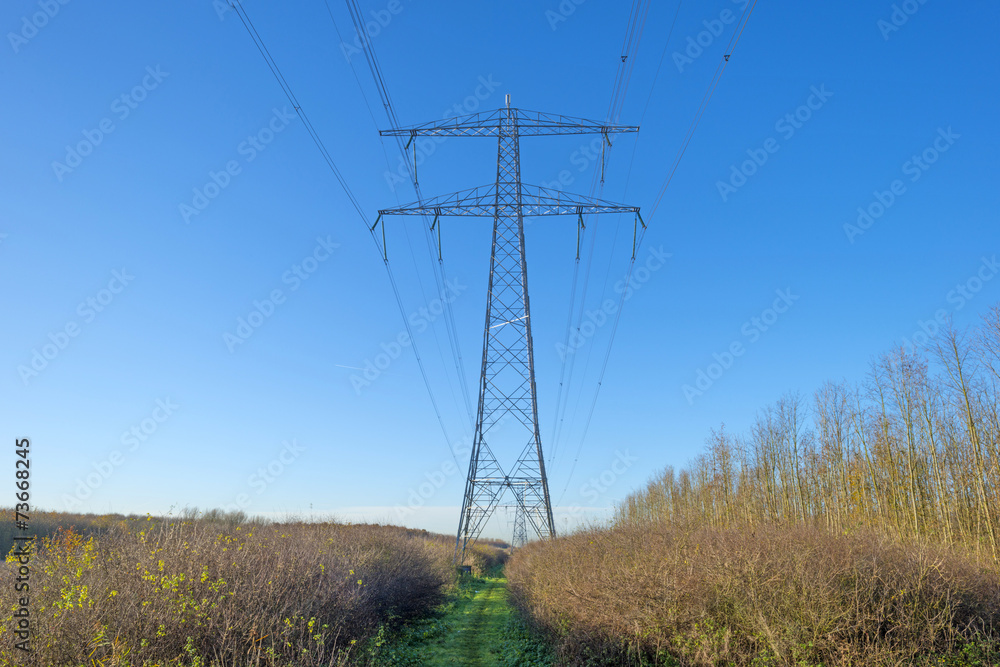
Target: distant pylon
column 507, row 379
column 520, row 536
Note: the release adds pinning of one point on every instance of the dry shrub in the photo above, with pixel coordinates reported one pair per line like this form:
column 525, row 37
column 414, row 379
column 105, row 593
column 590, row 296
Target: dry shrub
column 45, row 524
column 771, row 596
column 198, row 593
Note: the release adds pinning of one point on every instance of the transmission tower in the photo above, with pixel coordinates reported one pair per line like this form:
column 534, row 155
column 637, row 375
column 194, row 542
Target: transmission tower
column 507, row 379
column 520, row 536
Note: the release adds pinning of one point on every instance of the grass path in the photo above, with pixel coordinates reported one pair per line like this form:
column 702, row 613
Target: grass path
column 476, row 628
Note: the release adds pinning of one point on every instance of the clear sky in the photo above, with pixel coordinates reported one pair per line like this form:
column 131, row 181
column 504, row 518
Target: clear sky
column 124, row 289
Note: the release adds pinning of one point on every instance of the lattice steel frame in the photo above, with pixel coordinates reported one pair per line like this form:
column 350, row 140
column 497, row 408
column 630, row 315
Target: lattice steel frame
column 507, row 379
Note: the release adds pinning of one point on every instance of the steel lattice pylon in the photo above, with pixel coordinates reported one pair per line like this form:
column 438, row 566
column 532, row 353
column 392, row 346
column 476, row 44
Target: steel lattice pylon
column 520, row 536
column 507, row 380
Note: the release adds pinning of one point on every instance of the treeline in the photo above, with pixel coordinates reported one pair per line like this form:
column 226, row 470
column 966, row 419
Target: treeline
column 909, row 451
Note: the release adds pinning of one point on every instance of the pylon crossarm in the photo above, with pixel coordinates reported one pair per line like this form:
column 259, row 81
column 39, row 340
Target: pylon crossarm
column 480, row 201
column 535, row 200
column 538, row 124
column 487, row 124
column 484, row 124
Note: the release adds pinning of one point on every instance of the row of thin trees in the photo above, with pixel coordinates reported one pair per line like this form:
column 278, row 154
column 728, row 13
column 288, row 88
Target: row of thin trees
column 913, row 449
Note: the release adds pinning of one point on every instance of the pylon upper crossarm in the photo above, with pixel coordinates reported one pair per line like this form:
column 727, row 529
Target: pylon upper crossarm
column 477, row 124
column 487, row 124
column 537, row 124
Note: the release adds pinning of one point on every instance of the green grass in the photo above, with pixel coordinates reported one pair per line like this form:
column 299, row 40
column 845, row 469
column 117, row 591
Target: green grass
column 476, row 626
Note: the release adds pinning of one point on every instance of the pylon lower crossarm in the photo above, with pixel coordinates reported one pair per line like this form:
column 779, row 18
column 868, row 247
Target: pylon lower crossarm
column 535, row 201
column 479, row 201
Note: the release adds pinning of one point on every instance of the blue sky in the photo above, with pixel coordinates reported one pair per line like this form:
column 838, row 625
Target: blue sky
column 118, row 116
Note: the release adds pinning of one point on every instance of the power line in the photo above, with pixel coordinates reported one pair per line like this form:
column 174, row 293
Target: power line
column 286, row 88
column 731, row 47
column 443, row 280
column 633, row 34
column 628, row 177
column 259, row 43
column 439, row 271
column 720, row 68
